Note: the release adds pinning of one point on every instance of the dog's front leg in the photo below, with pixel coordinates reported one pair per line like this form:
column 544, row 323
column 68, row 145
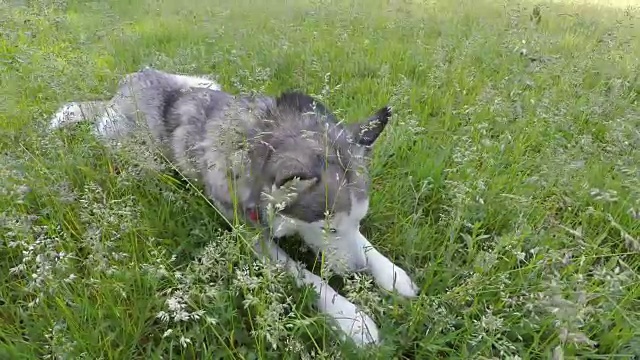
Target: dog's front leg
column 388, row 275
column 356, row 324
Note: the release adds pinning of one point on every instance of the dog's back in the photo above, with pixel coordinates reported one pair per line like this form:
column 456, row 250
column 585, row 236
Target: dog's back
column 148, row 92
column 258, row 141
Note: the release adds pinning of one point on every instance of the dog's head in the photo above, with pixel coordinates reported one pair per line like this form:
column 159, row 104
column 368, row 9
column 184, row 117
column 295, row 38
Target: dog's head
column 323, row 165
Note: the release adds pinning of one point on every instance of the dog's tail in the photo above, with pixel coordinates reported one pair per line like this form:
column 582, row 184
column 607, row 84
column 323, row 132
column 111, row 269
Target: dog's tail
column 75, row 112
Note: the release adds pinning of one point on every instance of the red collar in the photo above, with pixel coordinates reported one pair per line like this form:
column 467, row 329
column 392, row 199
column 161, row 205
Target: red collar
column 253, row 214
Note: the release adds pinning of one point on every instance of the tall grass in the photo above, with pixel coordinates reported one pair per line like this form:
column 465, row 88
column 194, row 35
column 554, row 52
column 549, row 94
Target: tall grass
column 508, row 184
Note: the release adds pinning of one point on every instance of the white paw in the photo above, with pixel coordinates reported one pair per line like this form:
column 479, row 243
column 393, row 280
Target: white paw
column 353, row 322
column 69, row 113
column 392, row 277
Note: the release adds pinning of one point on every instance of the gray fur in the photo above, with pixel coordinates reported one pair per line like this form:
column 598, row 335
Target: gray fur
column 245, row 149
column 254, row 142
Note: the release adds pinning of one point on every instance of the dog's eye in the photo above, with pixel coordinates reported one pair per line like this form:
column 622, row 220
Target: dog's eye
column 331, row 230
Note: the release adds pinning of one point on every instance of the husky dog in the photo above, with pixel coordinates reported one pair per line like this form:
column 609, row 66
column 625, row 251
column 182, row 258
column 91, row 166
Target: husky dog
column 245, row 150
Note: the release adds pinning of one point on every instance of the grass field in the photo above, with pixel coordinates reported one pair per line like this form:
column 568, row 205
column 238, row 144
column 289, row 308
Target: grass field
column 508, row 183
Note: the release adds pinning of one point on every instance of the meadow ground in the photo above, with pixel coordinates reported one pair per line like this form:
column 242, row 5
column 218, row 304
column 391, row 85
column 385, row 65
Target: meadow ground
column 508, row 184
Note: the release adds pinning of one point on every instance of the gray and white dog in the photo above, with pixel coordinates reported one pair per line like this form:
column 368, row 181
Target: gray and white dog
column 245, row 150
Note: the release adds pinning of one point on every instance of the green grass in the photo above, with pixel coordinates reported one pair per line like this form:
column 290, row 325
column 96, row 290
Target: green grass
column 508, row 184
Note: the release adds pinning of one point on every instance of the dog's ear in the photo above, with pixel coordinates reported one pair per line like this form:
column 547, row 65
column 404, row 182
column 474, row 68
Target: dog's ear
column 367, row 132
